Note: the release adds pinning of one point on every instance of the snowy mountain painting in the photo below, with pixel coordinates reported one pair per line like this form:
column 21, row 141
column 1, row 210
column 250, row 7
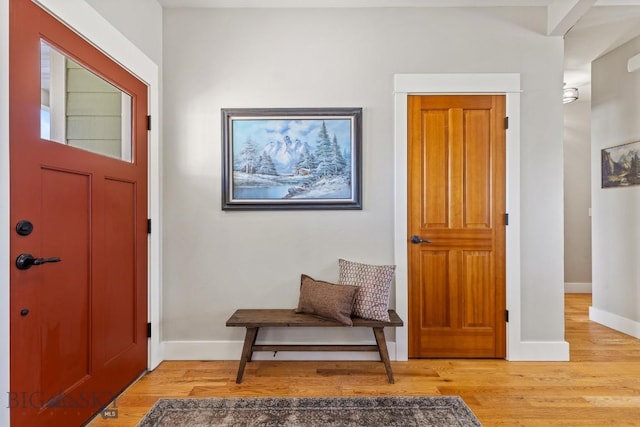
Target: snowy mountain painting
column 292, row 160
column 621, row 165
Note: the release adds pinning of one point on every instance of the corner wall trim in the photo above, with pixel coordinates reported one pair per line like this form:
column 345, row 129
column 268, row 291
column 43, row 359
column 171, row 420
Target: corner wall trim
column 613, row 321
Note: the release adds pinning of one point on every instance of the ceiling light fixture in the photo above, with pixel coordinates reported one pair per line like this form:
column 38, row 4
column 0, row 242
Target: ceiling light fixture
column 569, row 94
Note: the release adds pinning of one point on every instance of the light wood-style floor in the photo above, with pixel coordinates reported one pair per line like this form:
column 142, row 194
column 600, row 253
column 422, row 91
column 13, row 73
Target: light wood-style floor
column 599, row 387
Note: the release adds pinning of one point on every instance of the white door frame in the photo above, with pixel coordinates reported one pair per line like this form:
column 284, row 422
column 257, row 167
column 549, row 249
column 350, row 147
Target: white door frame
column 459, row 83
column 91, row 25
column 4, row 212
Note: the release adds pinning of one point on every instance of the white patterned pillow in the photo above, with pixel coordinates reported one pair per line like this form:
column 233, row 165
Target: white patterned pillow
column 372, row 300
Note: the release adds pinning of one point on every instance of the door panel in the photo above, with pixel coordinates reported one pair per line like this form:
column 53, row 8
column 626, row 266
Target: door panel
column 120, row 299
column 78, row 326
column 477, row 169
column 434, row 269
column 456, row 203
column 477, row 304
column 436, row 195
column 65, row 233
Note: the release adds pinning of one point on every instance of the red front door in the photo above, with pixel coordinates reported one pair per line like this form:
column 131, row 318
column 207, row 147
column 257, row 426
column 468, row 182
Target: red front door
column 78, row 325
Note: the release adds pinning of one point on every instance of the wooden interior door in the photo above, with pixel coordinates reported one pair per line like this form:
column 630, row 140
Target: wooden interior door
column 456, row 226
column 79, row 312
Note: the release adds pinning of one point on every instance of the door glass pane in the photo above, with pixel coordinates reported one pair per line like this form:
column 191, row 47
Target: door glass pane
column 80, row 109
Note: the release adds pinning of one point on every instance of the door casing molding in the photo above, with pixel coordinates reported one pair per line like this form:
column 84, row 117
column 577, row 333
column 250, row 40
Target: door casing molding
column 462, row 84
column 5, row 228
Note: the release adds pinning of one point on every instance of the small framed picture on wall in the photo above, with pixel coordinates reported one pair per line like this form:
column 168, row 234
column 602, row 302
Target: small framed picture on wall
column 621, row 165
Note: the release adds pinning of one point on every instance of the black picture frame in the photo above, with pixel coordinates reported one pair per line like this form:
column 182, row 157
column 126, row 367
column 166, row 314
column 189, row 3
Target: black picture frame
column 291, row 158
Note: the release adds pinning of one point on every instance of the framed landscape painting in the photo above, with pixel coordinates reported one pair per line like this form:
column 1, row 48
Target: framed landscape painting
column 291, row 158
column 621, row 165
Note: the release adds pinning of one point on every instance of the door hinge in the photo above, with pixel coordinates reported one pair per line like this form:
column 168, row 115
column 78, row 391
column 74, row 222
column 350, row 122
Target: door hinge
column 506, row 316
column 506, row 219
column 506, row 122
column 149, row 330
column 148, row 225
column 148, row 122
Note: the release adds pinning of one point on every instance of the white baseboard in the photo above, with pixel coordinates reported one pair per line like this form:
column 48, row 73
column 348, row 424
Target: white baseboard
column 539, row 351
column 231, row 350
column 577, row 288
column 613, row 321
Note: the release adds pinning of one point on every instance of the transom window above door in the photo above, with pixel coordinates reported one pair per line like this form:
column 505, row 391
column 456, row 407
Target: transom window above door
column 80, row 109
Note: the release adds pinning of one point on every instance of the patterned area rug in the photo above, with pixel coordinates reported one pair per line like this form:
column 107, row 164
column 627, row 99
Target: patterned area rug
column 441, row 411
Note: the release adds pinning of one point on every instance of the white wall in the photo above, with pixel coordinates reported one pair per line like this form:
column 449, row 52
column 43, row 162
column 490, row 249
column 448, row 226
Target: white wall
column 577, row 196
column 215, row 262
column 140, row 21
column 616, row 224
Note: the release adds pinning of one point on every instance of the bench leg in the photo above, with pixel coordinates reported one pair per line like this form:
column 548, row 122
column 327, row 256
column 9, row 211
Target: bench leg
column 384, row 353
column 247, row 351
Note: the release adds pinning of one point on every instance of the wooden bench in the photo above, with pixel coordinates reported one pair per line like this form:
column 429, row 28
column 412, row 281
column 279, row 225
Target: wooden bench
column 254, row 319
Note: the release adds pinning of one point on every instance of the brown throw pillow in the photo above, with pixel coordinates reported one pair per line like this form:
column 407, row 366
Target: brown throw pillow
column 326, row 299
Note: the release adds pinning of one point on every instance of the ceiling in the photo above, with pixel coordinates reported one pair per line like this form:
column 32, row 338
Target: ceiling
column 591, row 27
column 600, row 30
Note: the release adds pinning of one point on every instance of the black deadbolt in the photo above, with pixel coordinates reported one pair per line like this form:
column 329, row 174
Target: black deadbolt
column 24, row 312
column 24, row 227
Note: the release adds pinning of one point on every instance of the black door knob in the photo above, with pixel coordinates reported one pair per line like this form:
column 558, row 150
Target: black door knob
column 416, row 239
column 26, row 261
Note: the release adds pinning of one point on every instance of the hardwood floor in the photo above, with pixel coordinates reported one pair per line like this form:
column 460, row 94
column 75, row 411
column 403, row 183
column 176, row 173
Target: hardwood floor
column 599, row 387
